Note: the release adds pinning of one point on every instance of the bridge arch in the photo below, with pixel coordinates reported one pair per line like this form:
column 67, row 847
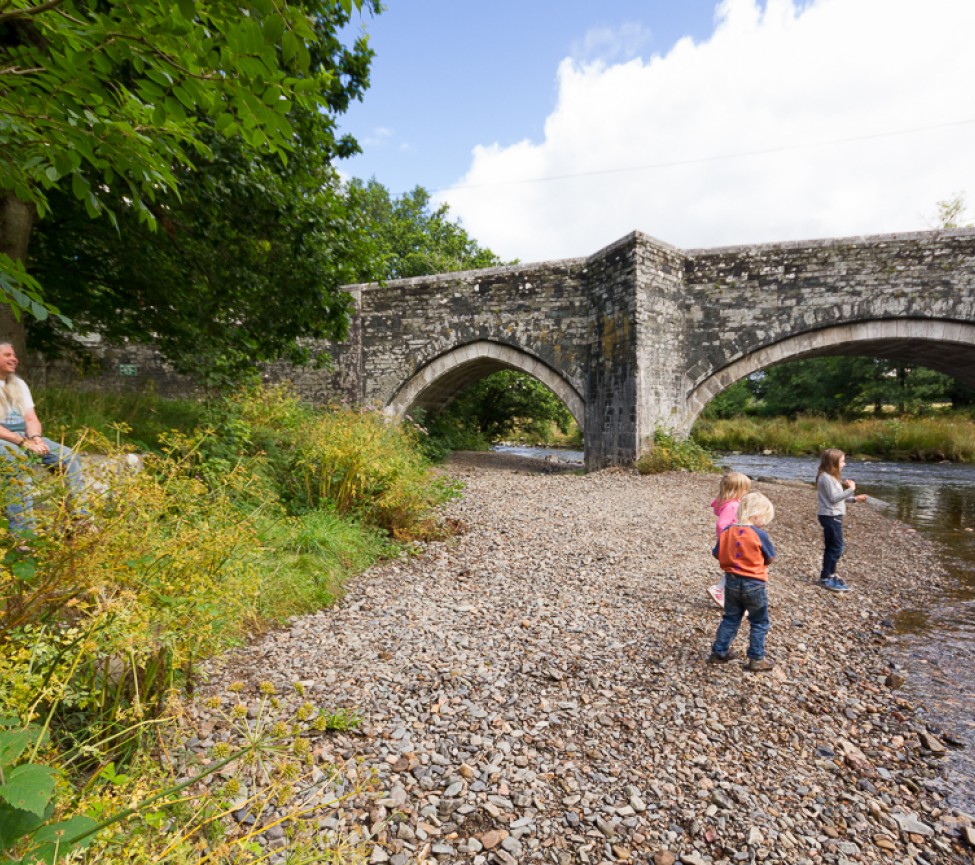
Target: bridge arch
column 944, row 346
column 437, row 383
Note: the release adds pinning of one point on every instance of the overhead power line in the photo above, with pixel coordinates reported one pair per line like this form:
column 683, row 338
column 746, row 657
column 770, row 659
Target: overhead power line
column 703, row 159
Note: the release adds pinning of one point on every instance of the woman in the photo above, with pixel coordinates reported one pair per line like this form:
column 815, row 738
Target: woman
column 20, row 436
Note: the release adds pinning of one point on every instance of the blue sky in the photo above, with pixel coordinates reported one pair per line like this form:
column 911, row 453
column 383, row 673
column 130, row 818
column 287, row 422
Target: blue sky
column 451, row 74
column 554, row 127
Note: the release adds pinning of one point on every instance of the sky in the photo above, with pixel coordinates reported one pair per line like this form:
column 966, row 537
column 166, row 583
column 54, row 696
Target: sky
column 552, row 128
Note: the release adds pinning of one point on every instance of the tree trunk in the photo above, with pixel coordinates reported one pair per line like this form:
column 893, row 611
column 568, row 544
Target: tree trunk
column 16, row 222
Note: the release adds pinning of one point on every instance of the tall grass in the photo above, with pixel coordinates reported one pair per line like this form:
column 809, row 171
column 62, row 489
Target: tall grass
column 137, row 419
column 949, row 437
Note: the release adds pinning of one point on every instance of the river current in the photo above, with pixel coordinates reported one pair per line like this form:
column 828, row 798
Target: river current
column 934, row 646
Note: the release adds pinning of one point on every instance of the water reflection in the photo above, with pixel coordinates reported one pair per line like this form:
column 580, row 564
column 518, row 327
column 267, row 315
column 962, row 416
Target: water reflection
column 562, row 454
column 937, row 643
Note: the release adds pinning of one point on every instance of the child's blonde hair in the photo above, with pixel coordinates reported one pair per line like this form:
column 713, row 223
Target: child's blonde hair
column 829, row 462
column 755, row 510
column 733, row 486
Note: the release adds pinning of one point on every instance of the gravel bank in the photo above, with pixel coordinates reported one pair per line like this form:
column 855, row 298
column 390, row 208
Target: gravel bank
column 535, row 690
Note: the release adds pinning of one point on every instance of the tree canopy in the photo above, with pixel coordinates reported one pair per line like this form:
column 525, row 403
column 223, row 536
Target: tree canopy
column 117, row 106
column 412, row 239
column 838, row 386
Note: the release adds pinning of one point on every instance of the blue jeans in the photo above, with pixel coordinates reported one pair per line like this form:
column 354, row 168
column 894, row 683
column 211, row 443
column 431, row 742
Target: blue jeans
column 832, row 544
column 743, row 595
column 18, row 497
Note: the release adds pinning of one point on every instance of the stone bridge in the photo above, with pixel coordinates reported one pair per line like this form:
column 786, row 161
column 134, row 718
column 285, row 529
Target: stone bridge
column 642, row 335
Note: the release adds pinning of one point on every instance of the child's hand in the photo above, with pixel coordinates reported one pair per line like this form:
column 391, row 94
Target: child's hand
column 850, row 485
column 860, row 498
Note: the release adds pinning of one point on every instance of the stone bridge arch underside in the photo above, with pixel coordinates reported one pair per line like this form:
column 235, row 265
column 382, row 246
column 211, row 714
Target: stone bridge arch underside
column 947, row 347
column 439, row 382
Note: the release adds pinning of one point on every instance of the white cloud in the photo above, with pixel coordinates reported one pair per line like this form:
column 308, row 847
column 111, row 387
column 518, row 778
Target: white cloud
column 608, row 44
column 377, row 137
column 792, row 121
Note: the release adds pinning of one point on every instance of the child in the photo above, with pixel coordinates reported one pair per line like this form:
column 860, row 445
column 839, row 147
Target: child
column 744, row 551
column 733, row 486
column 834, row 493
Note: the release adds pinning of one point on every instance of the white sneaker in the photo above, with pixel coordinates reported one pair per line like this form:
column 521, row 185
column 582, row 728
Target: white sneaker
column 717, row 594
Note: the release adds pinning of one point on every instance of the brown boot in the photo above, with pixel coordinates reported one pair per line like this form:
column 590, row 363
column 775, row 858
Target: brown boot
column 759, row 665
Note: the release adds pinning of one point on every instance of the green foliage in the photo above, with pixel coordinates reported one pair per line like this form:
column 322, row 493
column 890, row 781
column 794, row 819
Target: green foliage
column 252, row 260
column 27, row 792
column 738, row 399
column 358, row 463
column 312, row 557
column 140, row 420
column 952, row 212
column 410, row 239
column 111, row 100
column 950, row 437
column 498, row 405
column 669, row 454
column 101, row 625
column 837, row 387
column 253, row 253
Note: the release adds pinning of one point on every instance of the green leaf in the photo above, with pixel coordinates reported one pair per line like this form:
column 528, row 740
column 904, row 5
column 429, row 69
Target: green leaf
column 79, row 186
column 25, row 569
column 187, row 8
column 54, row 842
column 15, row 823
column 273, row 29
column 290, row 45
column 29, row 787
column 13, row 743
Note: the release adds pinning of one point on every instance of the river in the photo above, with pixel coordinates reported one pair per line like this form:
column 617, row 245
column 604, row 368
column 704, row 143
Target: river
column 934, row 646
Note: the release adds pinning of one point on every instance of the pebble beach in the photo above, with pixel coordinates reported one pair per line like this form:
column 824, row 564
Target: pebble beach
column 535, row 688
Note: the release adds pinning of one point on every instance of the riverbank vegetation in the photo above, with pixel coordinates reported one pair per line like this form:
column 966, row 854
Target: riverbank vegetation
column 864, row 406
column 254, row 509
column 925, row 439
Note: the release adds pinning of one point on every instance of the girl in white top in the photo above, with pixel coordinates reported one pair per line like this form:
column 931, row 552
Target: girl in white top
column 833, row 493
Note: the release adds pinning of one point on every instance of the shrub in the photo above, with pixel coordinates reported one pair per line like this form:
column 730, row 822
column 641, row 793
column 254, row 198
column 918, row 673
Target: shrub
column 670, row 454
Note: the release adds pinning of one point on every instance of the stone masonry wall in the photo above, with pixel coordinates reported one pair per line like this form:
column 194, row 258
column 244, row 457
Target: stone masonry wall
column 740, row 299
column 611, row 387
column 540, row 309
column 663, row 338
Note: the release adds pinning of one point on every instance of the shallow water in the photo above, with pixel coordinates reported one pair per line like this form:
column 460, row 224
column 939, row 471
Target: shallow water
column 563, row 454
column 936, row 645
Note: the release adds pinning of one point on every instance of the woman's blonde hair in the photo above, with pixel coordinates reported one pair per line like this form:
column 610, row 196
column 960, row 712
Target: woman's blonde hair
column 12, row 393
column 829, row 462
column 733, row 486
column 755, row 510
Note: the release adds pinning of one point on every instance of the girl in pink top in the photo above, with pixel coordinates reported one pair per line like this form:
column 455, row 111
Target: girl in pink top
column 733, row 486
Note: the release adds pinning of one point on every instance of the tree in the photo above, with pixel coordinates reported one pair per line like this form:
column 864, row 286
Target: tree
column 410, row 239
column 494, row 406
column 951, row 213
column 835, row 386
column 251, row 257
column 112, row 102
